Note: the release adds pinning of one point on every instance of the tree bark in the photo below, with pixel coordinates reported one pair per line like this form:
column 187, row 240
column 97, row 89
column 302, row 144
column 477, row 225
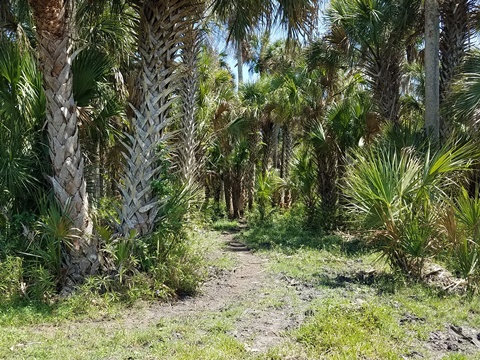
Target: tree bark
column 188, row 144
column 240, row 63
column 454, row 37
column 432, row 104
column 162, row 23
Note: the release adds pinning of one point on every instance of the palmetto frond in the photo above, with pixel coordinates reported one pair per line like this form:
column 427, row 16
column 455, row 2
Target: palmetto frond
column 22, row 112
column 464, row 100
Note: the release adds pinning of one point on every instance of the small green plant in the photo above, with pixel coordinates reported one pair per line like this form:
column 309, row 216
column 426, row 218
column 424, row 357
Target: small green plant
column 11, row 279
column 267, row 185
column 54, row 231
column 462, row 227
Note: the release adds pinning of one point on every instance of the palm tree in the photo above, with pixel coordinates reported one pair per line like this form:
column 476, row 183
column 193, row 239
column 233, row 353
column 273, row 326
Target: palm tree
column 54, row 22
column 376, row 32
column 216, row 99
column 254, row 99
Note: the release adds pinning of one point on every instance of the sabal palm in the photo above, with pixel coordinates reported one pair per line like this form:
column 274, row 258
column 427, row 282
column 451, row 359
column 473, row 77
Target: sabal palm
column 376, row 31
column 464, row 100
column 255, row 100
column 398, row 191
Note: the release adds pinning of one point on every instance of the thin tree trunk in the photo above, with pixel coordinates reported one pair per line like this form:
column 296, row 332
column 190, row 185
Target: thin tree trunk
column 54, row 27
column 432, row 107
column 188, row 144
column 267, row 133
column 240, row 63
column 253, row 143
column 228, row 192
column 237, row 193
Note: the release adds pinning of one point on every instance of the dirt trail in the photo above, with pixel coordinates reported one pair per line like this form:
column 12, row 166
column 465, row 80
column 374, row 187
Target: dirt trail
column 248, row 284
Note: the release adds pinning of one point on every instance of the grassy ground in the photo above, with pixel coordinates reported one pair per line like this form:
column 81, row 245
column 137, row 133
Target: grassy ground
column 340, row 302
column 363, row 310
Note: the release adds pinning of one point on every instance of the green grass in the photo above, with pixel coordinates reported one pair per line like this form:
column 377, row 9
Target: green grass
column 359, row 310
column 225, row 225
column 362, row 309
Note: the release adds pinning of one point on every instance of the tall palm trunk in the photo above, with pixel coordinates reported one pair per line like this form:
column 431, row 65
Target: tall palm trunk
column 228, row 193
column 188, row 145
column 237, row 192
column 386, row 75
column 54, row 29
column 432, row 103
column 455, row 33
column 268, row 132
column 240, row 63
column 161, row 26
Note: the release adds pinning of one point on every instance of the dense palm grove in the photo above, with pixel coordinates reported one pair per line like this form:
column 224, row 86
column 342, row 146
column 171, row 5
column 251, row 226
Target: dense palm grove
column 122, row 125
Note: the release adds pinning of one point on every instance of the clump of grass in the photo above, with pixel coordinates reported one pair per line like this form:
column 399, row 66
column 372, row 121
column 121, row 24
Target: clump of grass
column 225, row 225
column 287, row 232
column 345, row 331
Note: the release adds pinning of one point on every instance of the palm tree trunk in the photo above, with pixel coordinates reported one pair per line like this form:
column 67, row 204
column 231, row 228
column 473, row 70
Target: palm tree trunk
column 432, row 105
column 455, row 33
column 188, row 144
column 54, row 27
column 161, row 25
column 240, row 63
column 228, row 192
column 386, row 89
column 268, row 140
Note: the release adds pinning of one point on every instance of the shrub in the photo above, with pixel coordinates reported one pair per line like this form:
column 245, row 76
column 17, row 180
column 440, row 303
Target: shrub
column 400, row 193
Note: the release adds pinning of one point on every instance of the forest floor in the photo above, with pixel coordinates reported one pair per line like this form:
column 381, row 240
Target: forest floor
column 293, row 303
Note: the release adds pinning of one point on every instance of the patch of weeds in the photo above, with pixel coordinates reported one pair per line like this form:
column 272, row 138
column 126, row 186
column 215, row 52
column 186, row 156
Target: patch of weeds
column 287, row 232
column 23, row 312
column 346, row 331
column 225, row 225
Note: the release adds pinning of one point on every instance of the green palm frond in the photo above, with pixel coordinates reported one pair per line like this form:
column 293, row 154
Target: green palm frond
column 22, row 111
column 464, row 101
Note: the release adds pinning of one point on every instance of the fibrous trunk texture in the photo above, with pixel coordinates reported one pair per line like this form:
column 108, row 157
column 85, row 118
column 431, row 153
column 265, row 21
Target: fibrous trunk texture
column 188, row 145
column 385, row 75
column 162, row 25
column 454, row 38
column 54, row 26
column 327, row 178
